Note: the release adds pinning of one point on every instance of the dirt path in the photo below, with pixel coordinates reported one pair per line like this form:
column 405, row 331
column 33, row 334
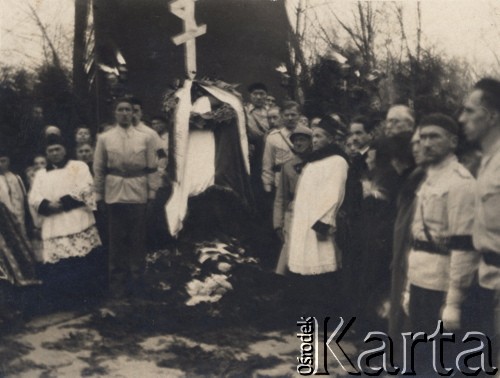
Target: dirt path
column 75, row 345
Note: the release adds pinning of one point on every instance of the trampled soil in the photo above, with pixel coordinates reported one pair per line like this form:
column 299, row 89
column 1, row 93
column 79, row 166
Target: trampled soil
column 86, row 345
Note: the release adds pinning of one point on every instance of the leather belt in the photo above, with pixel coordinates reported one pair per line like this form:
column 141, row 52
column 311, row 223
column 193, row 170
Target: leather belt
column 128, row 174
column 491, row 258
column 426, row 246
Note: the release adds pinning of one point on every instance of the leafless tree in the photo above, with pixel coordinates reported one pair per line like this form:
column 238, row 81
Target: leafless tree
column 299, row 66
column 399, row 12
column 363, row 31
column 32, row 27
column 55, row 56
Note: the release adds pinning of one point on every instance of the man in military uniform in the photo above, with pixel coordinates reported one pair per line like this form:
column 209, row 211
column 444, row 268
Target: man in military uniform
column 442, row 262
column 278, row 148
column 481, row 120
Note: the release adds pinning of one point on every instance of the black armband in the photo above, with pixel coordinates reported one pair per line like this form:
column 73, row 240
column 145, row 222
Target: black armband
column 461, row 243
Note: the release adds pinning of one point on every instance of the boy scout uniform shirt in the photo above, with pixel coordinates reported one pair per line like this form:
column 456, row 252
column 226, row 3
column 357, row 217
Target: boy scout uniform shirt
column 444, row 213
column 125, row 166
column 277, row 151
column 158, row 142
column 486, row 229
column 257, row 125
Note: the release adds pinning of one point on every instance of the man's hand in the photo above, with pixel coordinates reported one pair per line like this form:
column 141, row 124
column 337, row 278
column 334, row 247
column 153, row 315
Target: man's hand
column 384, row 309
column 451, row 317
column 450, row 312
column 405, row 302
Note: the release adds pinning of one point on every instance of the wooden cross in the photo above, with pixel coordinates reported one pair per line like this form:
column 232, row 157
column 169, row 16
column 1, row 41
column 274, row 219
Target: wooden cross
column 184, row 9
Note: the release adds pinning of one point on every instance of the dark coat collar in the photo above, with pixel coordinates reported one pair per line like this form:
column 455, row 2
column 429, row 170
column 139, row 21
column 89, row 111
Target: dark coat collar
column 330, row 150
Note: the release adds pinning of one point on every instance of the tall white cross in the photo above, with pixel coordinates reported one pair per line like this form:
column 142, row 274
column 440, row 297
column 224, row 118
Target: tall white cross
column 184, row 9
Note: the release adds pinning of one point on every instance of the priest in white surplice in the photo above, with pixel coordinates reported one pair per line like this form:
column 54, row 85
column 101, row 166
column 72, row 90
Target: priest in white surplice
column 313, row 254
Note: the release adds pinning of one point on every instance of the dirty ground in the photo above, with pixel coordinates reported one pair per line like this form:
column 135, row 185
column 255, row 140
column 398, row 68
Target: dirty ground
column 96, row 344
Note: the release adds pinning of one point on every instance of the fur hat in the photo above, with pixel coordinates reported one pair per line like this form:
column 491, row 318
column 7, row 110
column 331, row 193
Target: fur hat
column 332, row 126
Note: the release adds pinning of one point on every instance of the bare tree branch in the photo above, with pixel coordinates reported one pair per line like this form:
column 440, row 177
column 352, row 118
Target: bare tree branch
column 323, row 33
column 351, row 33
column 419, row 30
column 404, row 39
column 363, row 34
column 43, row 29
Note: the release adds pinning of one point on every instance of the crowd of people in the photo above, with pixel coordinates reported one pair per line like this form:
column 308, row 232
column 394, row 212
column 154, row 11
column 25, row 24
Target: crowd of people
column 381, row 219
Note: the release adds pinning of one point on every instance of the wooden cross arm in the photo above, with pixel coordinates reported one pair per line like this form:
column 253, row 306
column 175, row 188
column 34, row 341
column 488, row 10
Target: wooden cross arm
column 179, row 39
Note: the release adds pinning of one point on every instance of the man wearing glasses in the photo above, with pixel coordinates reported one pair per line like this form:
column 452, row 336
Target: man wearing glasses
column 399, row 119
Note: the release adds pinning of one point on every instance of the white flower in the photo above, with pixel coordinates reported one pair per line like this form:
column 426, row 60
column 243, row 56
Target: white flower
column 199, row 299
column 224, row 267
column 370, row 189
column 194, row 287
column 210, row 290
column 213, row 253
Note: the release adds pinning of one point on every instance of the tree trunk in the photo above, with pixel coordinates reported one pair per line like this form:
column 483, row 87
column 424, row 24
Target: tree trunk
column 80, row 85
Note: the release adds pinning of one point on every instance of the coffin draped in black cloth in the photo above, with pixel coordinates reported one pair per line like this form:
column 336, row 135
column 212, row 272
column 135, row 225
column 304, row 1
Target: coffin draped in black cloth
column 226, row 208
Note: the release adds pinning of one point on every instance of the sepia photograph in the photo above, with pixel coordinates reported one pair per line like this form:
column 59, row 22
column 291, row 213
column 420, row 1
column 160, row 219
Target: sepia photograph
column 249, row 188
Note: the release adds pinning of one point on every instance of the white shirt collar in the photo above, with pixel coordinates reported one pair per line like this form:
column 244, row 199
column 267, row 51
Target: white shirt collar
column 436, row 168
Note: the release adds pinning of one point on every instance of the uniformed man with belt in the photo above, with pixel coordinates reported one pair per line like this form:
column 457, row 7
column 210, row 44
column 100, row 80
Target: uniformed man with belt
column 481, row 120
column 442, row 262
column 124, row 168
column 278, row 147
